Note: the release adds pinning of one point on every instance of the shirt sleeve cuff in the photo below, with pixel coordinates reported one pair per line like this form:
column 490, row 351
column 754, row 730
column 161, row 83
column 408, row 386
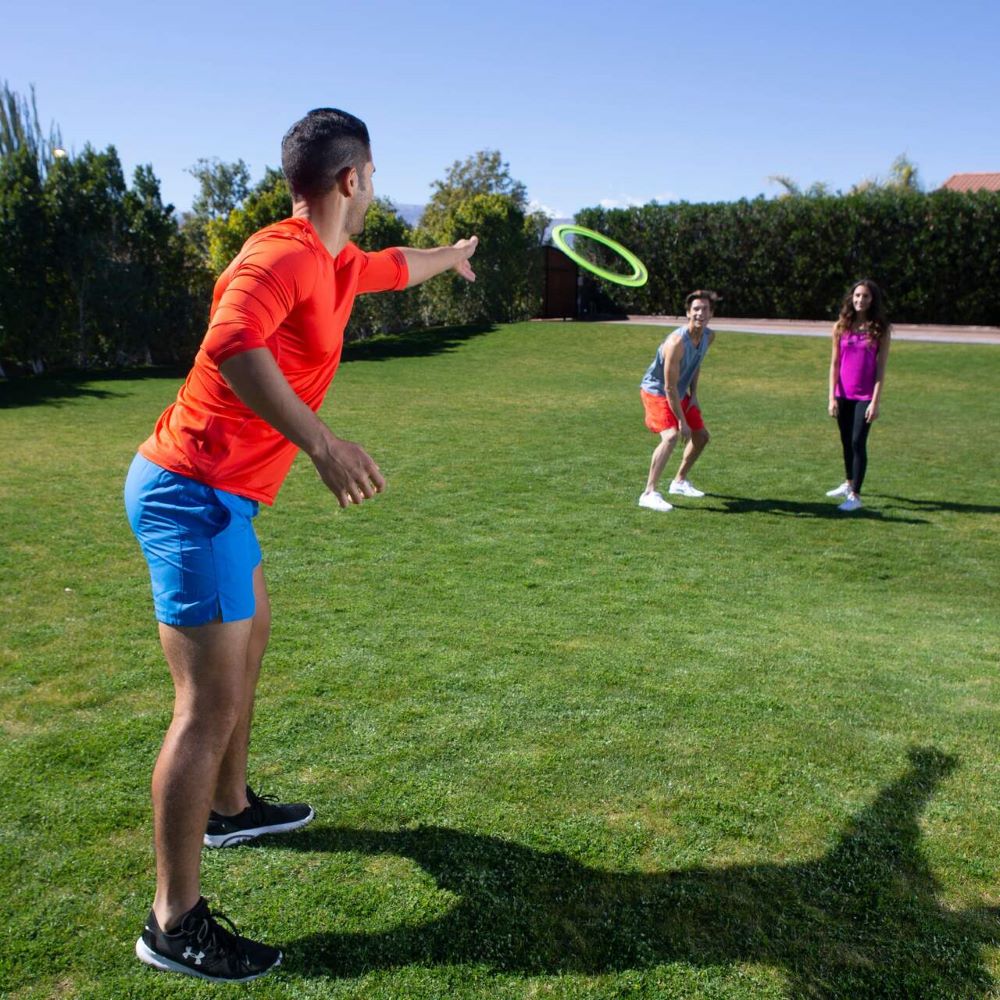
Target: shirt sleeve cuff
column 404, row 269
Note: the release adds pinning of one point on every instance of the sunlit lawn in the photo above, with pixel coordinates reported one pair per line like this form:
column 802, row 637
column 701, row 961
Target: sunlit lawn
column 558, row 745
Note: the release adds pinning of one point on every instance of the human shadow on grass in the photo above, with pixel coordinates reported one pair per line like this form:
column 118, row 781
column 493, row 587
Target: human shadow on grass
column 420, row 343
column 863, row 920
column 53, row 389
column 800, row 508
column 941, row 505
column 49, row 390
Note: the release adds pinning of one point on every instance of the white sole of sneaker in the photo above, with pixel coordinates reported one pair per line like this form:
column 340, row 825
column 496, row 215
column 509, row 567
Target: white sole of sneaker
column 146, row 955
column 238, row 837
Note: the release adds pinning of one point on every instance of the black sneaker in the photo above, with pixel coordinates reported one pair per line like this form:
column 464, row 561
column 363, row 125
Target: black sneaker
column 200, row 947
column 264, row 815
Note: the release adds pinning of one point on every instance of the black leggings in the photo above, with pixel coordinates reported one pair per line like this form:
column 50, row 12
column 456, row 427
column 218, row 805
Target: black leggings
column 854, row 437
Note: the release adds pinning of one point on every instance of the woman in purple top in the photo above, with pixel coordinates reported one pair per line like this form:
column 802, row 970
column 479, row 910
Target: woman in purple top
column 857, row 373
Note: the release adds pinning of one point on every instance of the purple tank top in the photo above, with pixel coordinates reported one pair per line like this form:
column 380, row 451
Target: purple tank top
column 858, row 365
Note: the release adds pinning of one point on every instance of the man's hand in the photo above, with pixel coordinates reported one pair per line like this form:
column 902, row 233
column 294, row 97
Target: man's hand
column 426, row 263
column 348, row 471
column 463, row 267
column 684, row 428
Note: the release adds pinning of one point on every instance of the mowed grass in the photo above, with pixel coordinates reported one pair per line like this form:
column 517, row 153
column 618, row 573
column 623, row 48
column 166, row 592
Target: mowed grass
column 558, row 746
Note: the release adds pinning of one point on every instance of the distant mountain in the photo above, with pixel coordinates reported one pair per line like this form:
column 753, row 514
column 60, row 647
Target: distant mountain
column 411, row 213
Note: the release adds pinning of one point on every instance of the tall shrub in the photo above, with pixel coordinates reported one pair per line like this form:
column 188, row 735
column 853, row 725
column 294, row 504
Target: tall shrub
column 937, row 255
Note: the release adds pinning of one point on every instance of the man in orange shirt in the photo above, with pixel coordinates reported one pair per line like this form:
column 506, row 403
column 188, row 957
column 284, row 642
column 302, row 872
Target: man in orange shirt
column 225, row 444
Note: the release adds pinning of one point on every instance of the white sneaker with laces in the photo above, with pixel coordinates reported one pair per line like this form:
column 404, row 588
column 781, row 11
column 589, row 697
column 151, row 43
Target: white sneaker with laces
column 853, row 502
column 840, row 491
column 684, row 488
column 654, row 501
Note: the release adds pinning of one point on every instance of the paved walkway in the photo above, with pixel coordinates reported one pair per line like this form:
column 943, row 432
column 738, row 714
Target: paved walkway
column 821, row 328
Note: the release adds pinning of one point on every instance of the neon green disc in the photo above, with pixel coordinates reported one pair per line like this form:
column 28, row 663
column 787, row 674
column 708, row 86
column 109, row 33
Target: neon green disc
column 639, row 274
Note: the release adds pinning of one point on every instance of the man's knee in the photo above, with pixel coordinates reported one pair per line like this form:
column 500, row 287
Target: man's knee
column 701, row 437
column 209, row 725
column 212, row 710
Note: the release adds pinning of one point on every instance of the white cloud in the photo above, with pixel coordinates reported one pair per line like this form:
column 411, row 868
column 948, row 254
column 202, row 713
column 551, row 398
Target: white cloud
column 630, row 201
column 552, row 213
column 625, row 202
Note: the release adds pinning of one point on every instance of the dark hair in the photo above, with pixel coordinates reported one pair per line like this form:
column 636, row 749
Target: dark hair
column 713, row 298
column 878, row 324
column 318, row 147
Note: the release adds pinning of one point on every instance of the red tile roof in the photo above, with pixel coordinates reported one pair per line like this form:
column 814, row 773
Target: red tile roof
column 972, row 182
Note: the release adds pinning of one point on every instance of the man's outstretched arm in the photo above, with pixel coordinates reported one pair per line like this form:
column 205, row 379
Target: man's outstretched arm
column 348, row 471
column 424, row 264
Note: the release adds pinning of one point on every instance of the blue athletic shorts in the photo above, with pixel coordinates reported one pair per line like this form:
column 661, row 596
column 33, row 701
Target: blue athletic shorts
column 199, row 543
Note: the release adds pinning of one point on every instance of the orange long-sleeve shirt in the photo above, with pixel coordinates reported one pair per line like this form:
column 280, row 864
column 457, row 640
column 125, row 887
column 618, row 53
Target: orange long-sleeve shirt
column 286, row 292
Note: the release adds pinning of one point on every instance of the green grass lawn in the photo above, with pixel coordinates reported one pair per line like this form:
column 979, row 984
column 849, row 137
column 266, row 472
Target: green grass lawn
column 558, row 745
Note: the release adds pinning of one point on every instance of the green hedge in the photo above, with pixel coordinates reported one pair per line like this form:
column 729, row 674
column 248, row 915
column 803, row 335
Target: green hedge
column 936, row 255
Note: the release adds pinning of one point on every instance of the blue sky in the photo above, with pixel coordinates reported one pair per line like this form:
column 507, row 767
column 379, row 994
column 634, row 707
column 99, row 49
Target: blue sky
column 590, row 103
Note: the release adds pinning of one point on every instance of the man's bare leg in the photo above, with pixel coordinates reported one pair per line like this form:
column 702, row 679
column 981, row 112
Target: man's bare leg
column 694, row 448
column 230, row 793
column 661, row 455
column 208, row 664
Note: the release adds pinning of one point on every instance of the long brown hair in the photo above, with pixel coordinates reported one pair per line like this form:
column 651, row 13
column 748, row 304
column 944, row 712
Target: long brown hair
column 877, row 325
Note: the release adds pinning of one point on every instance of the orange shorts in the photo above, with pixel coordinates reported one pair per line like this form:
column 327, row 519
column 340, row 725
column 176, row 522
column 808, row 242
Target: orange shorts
column 659, row 416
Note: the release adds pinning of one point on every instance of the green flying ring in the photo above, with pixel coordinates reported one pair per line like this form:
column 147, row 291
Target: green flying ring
column 639, row 275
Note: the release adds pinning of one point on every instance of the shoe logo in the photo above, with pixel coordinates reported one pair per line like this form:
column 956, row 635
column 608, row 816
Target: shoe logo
column 188, row 953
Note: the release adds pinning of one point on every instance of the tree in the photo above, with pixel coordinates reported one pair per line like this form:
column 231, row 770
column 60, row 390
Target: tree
column 21, row 129
column 267, row 203
column 26, row 154
column 165, row 295
column 818, row 189
column 903, row 175
column 479, row 196
column 507, row 266
column 85, row 198
column 222, row 188
column 393, row 311
column 484, row 172
column 793, row 257
column 126, row 284
column 25, row 250
column 91, row 272
column 792, row 189
column 384, row 227
column 270, row 202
